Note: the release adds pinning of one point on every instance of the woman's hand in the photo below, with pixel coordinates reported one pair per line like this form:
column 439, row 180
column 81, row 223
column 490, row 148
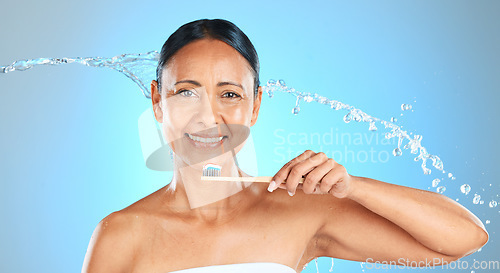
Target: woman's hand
column 323, row 175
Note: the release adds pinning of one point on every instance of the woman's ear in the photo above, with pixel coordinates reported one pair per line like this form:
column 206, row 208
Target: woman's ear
column 256, row 106
column 156, row 99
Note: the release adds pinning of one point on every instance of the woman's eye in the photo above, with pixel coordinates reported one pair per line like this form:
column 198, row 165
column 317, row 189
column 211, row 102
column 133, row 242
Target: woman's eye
column 185, row 93
column 231, row 95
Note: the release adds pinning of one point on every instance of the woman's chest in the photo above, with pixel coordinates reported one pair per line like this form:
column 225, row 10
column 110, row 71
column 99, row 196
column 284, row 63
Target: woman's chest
column 268, row 237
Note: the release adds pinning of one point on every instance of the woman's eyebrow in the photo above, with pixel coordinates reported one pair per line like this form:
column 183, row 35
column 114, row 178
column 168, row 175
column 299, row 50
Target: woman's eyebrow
column 189, row 81
column 230, row 83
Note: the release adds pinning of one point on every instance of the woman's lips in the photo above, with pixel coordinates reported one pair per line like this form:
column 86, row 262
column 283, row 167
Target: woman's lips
column 205, row 142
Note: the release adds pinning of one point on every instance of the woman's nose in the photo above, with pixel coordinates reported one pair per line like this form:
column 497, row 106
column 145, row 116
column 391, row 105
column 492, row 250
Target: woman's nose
column 208, row 113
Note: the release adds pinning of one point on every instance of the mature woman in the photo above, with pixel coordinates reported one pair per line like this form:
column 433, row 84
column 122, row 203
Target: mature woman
column 206, row 96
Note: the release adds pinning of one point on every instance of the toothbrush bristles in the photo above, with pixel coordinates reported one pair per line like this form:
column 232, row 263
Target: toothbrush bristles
column 211, row 170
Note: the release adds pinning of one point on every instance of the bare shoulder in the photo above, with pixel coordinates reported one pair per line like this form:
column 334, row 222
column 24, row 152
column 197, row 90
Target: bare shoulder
column 113, row 243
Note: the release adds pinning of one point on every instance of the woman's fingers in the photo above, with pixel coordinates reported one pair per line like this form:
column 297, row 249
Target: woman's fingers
column 323, row 175
column 314, row 180
column 336, row 182
column 303, row 168
column 282, row 174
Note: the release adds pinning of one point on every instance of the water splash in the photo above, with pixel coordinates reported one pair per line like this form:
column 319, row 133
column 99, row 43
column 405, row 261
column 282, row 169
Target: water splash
column 136, row 67
column 141, row 68
column 414, row 143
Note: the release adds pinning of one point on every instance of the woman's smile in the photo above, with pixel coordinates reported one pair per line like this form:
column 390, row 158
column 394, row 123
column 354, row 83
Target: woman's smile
column 205, row 142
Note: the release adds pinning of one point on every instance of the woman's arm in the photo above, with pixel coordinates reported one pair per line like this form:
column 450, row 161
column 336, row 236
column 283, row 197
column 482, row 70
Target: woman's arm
column 434, row 220
column 381, row 221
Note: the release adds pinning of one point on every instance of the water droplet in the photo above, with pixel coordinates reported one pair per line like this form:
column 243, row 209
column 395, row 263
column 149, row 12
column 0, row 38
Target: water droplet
column 295, row 110
column 308, row 98
column 397, row 152
column 281, row 82
column 435, row 182
column 441, row 189
column 331, row 268
column 481, row 202
column 271, row 82
column 393, row 119
column 372, row 126
column 465, row 188
column 450, row 175
column 427, row 171
column 436, row 162
column 493, row 203
column 487, row 221
column 347, row 117
column 405, row 107
column 476, row 199
column 317, row 268
column 479, row 250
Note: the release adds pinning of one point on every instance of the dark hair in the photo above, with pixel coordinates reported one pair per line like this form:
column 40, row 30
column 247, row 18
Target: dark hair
column 218, row 29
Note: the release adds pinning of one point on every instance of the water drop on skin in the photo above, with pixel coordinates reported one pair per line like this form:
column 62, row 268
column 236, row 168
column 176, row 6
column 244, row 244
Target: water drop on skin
column 465, row 188
column 435, row 182
column 493, row 203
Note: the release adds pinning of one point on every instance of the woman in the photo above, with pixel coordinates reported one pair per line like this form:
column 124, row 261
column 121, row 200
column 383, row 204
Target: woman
column 206, row 96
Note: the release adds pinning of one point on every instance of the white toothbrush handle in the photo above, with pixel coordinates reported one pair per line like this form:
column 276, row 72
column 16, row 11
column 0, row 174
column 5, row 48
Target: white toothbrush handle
column 263, row 179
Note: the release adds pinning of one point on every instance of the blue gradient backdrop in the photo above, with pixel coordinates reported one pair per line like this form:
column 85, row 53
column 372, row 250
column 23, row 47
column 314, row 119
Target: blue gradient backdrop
column 70, row 151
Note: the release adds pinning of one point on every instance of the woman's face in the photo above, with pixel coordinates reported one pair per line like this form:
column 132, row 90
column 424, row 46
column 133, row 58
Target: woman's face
column 207, row 101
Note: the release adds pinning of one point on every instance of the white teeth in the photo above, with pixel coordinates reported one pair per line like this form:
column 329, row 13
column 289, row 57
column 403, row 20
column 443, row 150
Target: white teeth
column 205, row 140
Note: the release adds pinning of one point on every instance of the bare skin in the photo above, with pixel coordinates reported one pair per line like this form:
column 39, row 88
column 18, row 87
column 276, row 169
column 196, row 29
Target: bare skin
column 333, row 214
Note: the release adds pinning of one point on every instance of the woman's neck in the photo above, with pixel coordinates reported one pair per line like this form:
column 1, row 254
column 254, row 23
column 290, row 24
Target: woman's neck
column 207, row 201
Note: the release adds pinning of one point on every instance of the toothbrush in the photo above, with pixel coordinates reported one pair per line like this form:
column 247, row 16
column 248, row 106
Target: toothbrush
column 212, row 172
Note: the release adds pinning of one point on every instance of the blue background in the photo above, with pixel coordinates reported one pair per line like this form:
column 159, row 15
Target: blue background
column 70, row 150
